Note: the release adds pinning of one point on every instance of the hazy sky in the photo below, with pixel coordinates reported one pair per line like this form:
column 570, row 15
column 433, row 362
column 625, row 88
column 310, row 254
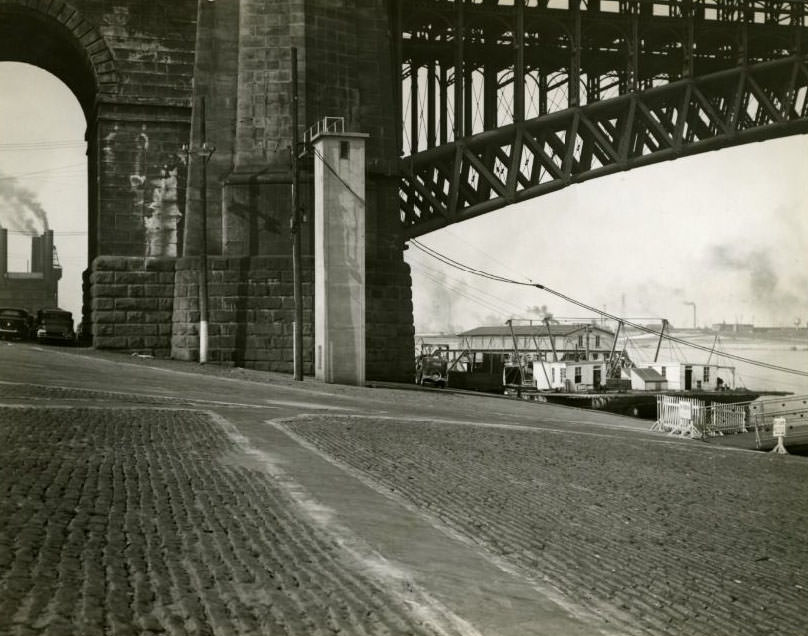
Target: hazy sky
column 727, row 230
column 43, row 162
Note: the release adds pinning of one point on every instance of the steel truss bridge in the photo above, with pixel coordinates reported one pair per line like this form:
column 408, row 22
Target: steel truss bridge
column 505, row 100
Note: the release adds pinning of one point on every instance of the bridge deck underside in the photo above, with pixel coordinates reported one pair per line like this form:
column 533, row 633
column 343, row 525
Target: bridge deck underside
column 504, row 101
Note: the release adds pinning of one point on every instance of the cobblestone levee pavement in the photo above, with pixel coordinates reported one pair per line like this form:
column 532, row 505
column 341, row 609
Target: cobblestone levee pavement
column 659, row 540
column 145, row 521
column 156, row 497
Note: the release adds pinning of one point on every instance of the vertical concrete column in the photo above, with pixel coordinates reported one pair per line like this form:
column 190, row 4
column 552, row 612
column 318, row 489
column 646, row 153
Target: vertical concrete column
column 339, row 257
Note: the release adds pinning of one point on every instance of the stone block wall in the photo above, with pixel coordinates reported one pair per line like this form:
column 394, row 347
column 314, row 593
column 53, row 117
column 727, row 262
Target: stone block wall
column 132, row 302
column 250, row 312
column 139, row 158
column 390, row 335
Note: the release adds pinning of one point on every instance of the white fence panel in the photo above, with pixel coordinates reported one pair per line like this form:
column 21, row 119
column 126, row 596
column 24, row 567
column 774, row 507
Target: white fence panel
column 680, row 416
column 726, row 419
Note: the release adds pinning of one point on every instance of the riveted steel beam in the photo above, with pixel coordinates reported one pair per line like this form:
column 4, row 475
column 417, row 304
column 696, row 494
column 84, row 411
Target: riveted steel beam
column 487, row 171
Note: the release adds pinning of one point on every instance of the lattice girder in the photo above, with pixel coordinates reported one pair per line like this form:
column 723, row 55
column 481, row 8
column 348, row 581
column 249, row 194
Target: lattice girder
column 490, row 170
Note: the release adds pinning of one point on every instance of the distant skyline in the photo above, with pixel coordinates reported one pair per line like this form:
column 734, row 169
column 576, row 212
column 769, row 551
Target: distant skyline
column 726, row 230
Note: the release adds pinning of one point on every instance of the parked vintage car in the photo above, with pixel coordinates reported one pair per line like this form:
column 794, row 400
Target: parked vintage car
column 54, row 325
column 430, row 369
column 15, row 323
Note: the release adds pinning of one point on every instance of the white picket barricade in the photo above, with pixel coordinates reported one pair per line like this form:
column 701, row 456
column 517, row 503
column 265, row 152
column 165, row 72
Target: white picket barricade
column 680, row 416
column 726, row 419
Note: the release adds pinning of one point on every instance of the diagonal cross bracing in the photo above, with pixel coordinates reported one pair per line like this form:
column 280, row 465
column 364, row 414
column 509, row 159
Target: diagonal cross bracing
column 487, row 171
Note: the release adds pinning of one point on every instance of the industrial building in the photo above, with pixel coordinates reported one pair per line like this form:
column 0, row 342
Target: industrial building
column 37, row 288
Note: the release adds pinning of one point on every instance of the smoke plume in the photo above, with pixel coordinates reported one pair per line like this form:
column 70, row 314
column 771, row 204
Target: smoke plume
column 776, row 292
column 542, row 312
column 756, row 264
column 20, row 210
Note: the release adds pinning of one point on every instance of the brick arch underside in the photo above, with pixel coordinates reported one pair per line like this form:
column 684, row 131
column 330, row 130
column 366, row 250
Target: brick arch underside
column 59, row 40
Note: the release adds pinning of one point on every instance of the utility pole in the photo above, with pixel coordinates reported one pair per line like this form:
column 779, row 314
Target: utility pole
column 659, row 342
column 297, row 330
column 205, row 152
column 203, row 256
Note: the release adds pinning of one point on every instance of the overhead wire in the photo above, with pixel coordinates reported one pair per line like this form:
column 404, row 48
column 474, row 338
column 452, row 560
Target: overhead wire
column 490, row 257
column 331, row 169
column 63, row 144
column 493, row 303
column 56, row 232
column 482, row 273
column 44, row 171
column 459, row 291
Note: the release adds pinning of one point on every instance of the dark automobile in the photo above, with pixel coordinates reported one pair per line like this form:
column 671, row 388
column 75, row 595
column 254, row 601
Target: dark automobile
column 54, row 325
column 15, row 323
column 430, row 369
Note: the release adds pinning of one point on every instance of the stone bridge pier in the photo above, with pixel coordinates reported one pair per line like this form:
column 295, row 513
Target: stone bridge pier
column 141, row 71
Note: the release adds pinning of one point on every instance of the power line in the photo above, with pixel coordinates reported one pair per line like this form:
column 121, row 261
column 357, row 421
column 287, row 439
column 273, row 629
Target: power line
column 56, row 233
column 582, row 305
column 459, row 281
column 338, row 176
column 731, row 356
column 456, row 288
column 481, row 251
column 45, row 171
column 64, row 144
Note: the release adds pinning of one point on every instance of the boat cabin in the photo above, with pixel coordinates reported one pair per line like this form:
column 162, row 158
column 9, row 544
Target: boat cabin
column 569, row 375
column 691, row 376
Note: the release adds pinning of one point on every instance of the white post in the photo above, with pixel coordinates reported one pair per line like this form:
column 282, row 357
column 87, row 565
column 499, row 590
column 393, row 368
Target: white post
column 339, row 257
column 779, row 431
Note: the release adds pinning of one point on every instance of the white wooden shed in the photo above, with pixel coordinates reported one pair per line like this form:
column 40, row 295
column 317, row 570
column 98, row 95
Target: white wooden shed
column 692, row 376
column 569, row 375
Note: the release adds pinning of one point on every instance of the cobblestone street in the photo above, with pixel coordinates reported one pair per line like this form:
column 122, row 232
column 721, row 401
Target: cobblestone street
column 657, row 539
column 142, row 521
column 181, row 500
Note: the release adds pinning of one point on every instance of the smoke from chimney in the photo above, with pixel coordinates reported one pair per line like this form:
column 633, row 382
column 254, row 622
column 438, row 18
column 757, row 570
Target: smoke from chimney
column 543, row 312
column 763, row 280
column 20, row 210
column 774, row 289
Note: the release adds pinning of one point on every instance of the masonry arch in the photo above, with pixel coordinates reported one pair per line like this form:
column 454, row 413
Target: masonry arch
column 58, row 39
column 130, row 65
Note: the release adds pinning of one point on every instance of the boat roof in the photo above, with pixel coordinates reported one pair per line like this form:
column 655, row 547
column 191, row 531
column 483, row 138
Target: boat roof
column 688, row 363
column 572, row 363
column 649, row 375
column 532, row 330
